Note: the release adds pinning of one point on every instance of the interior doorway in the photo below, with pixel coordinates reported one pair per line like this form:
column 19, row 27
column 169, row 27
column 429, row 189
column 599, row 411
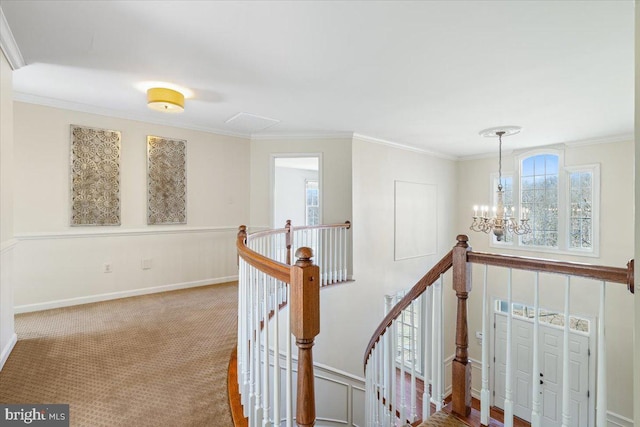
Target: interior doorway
column 297, row 189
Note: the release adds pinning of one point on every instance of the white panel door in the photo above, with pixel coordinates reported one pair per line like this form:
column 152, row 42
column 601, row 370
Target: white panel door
column 550, row 375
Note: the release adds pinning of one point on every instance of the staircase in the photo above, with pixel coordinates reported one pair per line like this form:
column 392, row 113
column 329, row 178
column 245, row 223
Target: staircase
column 407, row 349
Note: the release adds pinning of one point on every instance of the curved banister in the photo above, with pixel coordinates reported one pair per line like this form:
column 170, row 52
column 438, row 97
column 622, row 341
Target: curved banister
column 321, row 227
column 273, row 268
column 418, row 289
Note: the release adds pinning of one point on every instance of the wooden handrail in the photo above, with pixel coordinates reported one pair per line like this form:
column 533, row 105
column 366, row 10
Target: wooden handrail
column 598, row 272
column 418, row 289
column 321, row 227
column 273, row 268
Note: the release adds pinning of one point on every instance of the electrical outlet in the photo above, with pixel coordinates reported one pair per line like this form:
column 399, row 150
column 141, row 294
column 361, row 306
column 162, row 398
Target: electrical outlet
column 108, row 267
column 147, row 263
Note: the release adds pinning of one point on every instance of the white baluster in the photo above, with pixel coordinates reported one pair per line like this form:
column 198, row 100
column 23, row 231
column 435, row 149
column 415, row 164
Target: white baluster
column 266, row 401
column 508, row 398
column 276, row 354
column 388, row 357
column 289, row 377
column 257, row 370
column 601, row 397
column 394, row 381
column 535, row 410
column 340, row 234
column 403, row 401
column 485, row 398
column 413, row 352
column 566, row 404
column 437, row 346
column 426, row 394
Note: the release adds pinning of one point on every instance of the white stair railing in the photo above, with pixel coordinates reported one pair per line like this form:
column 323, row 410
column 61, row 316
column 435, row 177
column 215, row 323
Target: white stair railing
column 407, row 350
column 394, row 370
column 264, row 334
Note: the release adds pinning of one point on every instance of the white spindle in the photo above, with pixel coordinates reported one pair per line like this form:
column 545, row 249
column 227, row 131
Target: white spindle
column 601, row 405
column 289, row 364
column 388, row 356
column 403, row 401
column 266, row 401
column 566, row 404
column 257, row 351
column 344, row 253
column 508, row 398
column 437, row 345
column 426, row 394
column 276, row 354
column 394, row 381
column 535, row 410
column 413, row 352
column 485, row 398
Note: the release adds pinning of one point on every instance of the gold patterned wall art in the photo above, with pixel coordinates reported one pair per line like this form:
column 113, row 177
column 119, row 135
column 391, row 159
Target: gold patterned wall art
column 166, row 181
column 95, row 176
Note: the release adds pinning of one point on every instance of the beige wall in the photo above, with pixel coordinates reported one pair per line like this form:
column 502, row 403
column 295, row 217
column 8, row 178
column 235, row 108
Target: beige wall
column 7, row 244
column 637, row 222
column 56, row 262
column 616, row 248
column 351, row 312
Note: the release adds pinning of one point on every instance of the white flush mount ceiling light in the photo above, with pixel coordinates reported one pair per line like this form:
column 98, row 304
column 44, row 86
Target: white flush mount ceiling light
column 501, row 219
column 166, row 100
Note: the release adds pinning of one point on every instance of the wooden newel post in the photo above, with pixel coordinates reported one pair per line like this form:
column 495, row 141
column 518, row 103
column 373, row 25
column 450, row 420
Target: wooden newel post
column 461, row 375
column 288, row 240
column 305, row 325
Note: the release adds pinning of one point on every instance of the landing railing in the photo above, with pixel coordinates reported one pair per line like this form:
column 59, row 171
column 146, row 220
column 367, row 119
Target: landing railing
column 404, row 359
column 268, row 282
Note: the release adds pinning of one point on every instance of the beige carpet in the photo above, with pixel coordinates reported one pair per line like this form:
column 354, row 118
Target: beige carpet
column 154, row 360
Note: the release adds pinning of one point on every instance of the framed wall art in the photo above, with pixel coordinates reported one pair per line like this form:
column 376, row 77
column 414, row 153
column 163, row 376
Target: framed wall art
column 95, row 176
column 166, row 181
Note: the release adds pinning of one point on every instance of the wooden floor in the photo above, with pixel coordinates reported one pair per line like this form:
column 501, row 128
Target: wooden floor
column 496, row 414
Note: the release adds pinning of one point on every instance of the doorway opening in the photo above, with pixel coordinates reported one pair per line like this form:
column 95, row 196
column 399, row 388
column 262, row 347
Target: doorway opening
column 297, row 189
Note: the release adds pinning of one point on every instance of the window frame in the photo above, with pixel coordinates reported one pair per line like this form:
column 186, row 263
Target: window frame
column 306, row 200
column 564, row 204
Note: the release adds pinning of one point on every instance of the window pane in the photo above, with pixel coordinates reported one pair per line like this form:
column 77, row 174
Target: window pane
column 581, row 194
column 539, row 193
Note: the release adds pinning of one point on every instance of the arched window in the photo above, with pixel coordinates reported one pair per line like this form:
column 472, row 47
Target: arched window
column 561, row 202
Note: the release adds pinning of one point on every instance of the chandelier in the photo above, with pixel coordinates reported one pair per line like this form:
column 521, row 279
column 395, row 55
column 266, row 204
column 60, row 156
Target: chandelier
column 502, row 218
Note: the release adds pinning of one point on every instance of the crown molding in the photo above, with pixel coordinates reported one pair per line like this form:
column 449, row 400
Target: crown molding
column 302, row 136
column 558, row 146
column 8, row 44
column 91, row 109
column 406, row 147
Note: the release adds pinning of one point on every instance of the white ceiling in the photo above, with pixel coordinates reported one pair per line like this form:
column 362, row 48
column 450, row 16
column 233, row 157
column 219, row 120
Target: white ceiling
column 424, row 74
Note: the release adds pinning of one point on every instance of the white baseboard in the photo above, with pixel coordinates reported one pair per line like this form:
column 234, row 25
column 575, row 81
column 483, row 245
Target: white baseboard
column 614, row 419
column 27, row 308
column 6, row 351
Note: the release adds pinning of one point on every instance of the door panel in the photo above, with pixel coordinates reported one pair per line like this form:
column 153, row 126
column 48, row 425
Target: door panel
column 551, row 340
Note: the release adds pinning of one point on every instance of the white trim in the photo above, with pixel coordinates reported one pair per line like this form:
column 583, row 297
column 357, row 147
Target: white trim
column 475, row 364
column 403, row 146
column 447, row 367
column 568, row 144
column 618, row 420
column 101, row 111
column 6, row 351
column 8, row 245
column 120, row 233
column 8, row 44
column 27, row 308
column 300, row 136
